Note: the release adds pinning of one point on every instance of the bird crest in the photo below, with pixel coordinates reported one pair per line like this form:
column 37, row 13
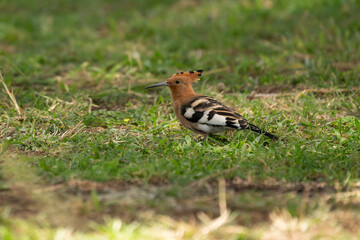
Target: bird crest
column 193, row 75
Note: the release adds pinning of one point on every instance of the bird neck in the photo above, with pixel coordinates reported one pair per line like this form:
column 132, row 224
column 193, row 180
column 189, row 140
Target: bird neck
column 179, row 95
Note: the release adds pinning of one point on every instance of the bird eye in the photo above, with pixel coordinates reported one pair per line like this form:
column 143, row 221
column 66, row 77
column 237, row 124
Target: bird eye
column 177, row 82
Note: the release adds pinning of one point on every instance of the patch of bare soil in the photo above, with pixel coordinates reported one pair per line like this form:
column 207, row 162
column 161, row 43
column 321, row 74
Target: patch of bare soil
column 77, row 202
column 288, row 91
column 19, row 198
column 239, row 184
column 277, row 88
column 87, row 186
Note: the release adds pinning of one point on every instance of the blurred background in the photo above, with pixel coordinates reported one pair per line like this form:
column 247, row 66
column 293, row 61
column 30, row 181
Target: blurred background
column 265, row 45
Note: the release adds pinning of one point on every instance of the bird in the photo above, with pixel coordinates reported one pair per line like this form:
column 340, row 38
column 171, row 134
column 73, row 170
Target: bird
column 203, row 114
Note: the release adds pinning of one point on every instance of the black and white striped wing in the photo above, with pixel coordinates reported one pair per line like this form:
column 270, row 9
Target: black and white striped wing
column 209, row 114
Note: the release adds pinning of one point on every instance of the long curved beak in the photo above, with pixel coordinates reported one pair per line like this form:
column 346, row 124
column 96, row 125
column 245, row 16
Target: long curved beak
column 158, row 85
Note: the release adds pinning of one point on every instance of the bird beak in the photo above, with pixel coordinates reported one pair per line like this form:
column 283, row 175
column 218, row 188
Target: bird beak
column 158, row 85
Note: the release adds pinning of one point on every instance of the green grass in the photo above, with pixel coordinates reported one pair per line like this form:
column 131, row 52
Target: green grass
column 78, row 71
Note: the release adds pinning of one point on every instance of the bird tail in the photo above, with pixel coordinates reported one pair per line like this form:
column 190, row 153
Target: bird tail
column 258, row 130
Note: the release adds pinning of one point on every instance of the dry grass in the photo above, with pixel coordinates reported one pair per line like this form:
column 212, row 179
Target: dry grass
column 11, row 95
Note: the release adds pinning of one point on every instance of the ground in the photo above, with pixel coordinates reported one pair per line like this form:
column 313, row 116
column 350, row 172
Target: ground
column 87, row 153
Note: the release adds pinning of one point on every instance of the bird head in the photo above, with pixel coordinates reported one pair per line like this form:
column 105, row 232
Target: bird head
column 180, row 82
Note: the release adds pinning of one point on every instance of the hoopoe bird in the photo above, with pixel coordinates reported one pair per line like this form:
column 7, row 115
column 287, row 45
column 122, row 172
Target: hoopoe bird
column 203, row 114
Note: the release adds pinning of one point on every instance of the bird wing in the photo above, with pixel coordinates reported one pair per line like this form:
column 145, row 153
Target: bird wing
column 206, row 110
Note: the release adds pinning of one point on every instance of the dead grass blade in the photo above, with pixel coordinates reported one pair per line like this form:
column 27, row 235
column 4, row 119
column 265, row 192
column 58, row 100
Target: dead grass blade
column 11, row 95
column 91, row 104
column 213, row 225
column 73, row 131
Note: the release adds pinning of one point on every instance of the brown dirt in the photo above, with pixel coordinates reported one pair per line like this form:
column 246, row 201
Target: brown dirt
column 18, row 197
column 72, row 203
column 275, row 91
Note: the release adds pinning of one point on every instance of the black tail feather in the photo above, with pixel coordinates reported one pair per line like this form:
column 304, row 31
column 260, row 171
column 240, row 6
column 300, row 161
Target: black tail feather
column 258, row 130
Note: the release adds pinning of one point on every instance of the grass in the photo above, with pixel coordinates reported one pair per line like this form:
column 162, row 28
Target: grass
column 75, row 115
